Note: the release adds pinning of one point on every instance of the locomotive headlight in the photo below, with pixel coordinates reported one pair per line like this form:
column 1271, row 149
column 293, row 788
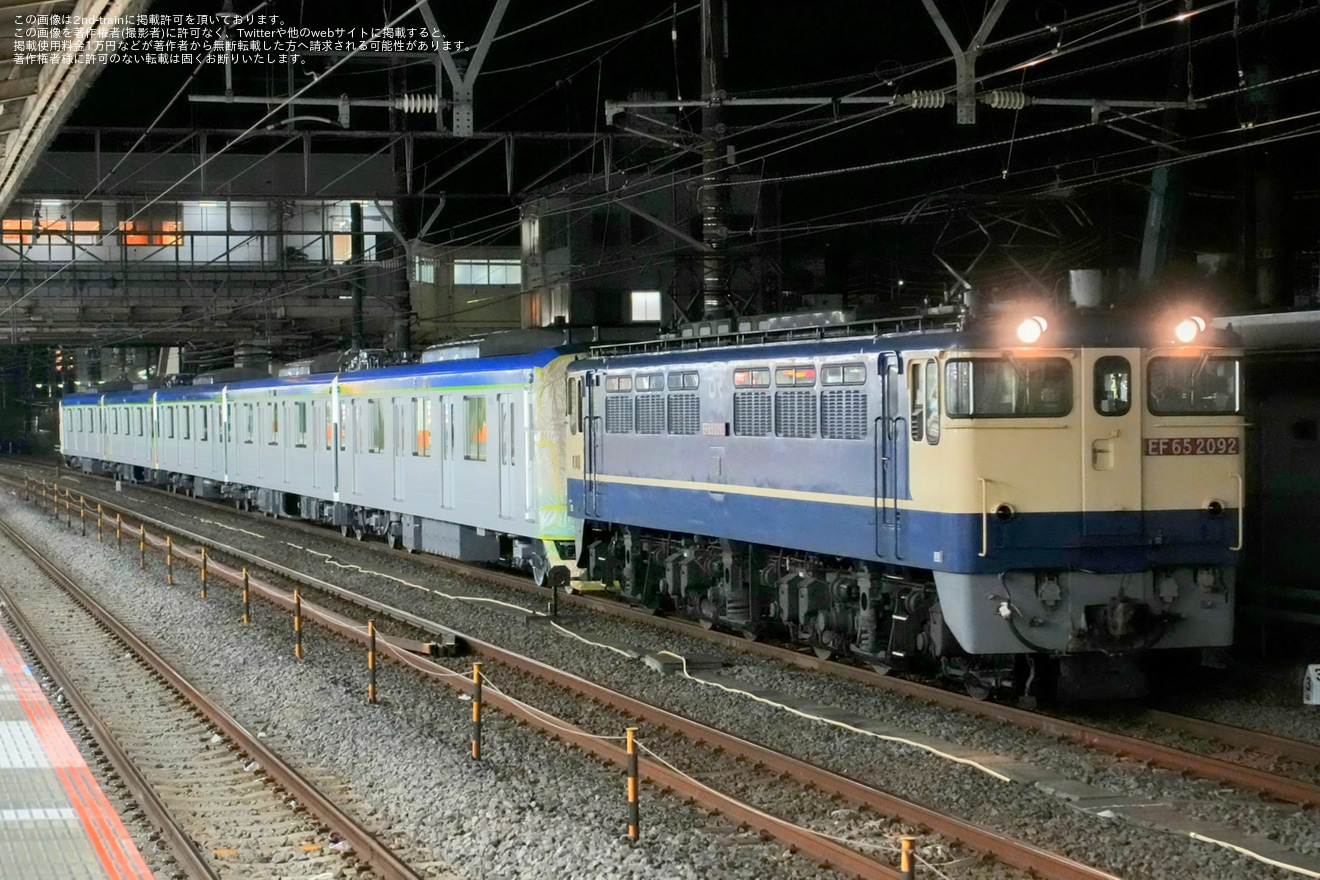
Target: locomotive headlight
column 1030, row 330
column 1189, row 328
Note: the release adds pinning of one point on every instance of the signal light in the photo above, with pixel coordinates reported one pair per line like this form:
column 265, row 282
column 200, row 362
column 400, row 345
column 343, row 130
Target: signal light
column 1189, row 328
column 1030, row 330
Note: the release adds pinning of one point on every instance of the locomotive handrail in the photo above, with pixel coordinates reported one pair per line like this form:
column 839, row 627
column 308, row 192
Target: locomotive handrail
column 1240, row 506
column 985, row 520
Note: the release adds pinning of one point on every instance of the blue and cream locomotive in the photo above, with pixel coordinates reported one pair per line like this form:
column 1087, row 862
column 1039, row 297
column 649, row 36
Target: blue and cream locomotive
column 1069, row 487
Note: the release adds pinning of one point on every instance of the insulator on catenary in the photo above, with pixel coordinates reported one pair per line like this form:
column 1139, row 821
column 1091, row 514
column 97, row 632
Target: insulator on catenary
column 1006, row 99
column 417, row 103
column 927, row 100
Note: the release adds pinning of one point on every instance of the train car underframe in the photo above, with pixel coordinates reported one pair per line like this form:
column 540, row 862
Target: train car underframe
column 889, row 618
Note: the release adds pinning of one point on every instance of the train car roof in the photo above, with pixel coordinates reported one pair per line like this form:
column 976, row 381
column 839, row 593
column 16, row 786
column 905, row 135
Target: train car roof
column 502, row 364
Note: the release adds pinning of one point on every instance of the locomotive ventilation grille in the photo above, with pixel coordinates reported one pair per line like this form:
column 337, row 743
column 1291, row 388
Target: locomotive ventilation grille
column 651, row 414
column 751, row 413
column 795, row 413
column 843, row 415
column 618, row 415
column 684, row 414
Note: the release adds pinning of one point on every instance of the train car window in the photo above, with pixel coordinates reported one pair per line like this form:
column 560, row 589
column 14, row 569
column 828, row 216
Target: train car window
column 141, row 418
column 615, row 384
column 843, row 374
column 273, row 419
column 1113, row 386
column 187, row 422
column 893, row 399
column 932, row 403
column 683, row 381
column 1183, row 385
column 249, row 423
column 343, row 425
column 421, row 409
column 376, row 419
column 916, row 378
column 329, row 426
column 475, row 446
column 169, row 422
column 300, row 428
column 795, row 376
column 996, row 388
column 756, row 377
column 650, row 382
column 203, row 423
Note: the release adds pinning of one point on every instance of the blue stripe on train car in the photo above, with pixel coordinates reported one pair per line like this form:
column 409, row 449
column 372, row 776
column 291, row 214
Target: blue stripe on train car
column 1112, row 542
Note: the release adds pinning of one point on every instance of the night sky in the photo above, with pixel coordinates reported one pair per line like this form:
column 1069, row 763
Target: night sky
column 894, row 183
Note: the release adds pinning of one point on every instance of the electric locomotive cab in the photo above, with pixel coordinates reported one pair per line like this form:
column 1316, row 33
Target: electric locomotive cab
column 1107, row 481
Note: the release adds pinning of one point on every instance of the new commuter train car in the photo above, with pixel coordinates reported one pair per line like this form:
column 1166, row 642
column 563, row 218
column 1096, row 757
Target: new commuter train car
column 1068, row 488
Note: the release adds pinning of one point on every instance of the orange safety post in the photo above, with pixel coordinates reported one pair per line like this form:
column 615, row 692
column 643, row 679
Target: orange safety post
column 907, row 866
column 203, row 568
column 100, row 522
column 297, row 625
column 476, row 711
column 169, row 560
column 246, row 617
column 634, row 818
column 371, row 661
column 142, row 542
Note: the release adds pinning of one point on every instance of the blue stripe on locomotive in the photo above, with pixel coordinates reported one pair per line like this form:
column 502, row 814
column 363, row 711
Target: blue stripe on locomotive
column 1117, row 541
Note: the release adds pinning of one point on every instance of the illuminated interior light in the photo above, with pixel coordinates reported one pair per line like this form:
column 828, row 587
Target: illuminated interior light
column 1031, row 329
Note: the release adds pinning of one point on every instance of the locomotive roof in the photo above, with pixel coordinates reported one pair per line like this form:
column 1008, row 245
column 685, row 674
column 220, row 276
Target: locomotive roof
column 1075, row 330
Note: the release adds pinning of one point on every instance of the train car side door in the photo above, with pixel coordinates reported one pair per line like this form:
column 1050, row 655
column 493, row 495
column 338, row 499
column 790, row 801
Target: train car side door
column 889, row 435
column 593, row 428
column 447, row 452
column 508, row 476
column 402, row 415
column 1111, row 444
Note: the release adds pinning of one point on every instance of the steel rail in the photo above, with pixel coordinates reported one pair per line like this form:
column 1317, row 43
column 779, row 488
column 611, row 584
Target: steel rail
column 370, row 849
column 180, row 844
column 1285, row 747
column 1271, row 784
column 1005, row 849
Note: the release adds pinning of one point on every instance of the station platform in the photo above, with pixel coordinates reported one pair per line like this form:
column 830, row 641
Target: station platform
column 55, row 822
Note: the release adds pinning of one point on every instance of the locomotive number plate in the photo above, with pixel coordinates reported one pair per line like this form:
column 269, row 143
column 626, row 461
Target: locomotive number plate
column 1192, row 445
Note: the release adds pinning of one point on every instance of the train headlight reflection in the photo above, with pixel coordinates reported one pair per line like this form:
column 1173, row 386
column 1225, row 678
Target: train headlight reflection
column 1030, row 330
column 1189, row 328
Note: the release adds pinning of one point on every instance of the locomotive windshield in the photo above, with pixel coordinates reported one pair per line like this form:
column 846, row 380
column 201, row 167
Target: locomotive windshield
column 1008, row 388
column 1194, row 385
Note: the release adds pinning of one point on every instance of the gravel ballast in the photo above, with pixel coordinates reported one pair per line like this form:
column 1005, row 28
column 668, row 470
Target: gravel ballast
column 1124, row 849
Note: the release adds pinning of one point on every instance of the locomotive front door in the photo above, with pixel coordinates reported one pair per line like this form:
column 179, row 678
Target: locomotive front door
column 508, row 460
column 1111, row 445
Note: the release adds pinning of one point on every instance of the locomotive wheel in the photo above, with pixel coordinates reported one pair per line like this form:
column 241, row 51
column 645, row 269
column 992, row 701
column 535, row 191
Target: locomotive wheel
column 358, row 533
column 343, row 530
column 976, row 687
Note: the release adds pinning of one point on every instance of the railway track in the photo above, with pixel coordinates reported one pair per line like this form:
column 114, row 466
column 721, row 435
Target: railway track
column 729, row 775
column 226, row 804
column 1276, row 785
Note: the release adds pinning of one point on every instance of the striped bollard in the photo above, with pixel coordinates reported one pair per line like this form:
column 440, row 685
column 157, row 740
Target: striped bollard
column 100, row 523
column 297, row 625
column 169, row 560
column 476, row 711
column 634, row 818
column 203, row 568
column 142, row 542
column 82, row 514
column 907, row 866
column 246, row 616
column 119, row 532
column 68, row 509
column 371, row 661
